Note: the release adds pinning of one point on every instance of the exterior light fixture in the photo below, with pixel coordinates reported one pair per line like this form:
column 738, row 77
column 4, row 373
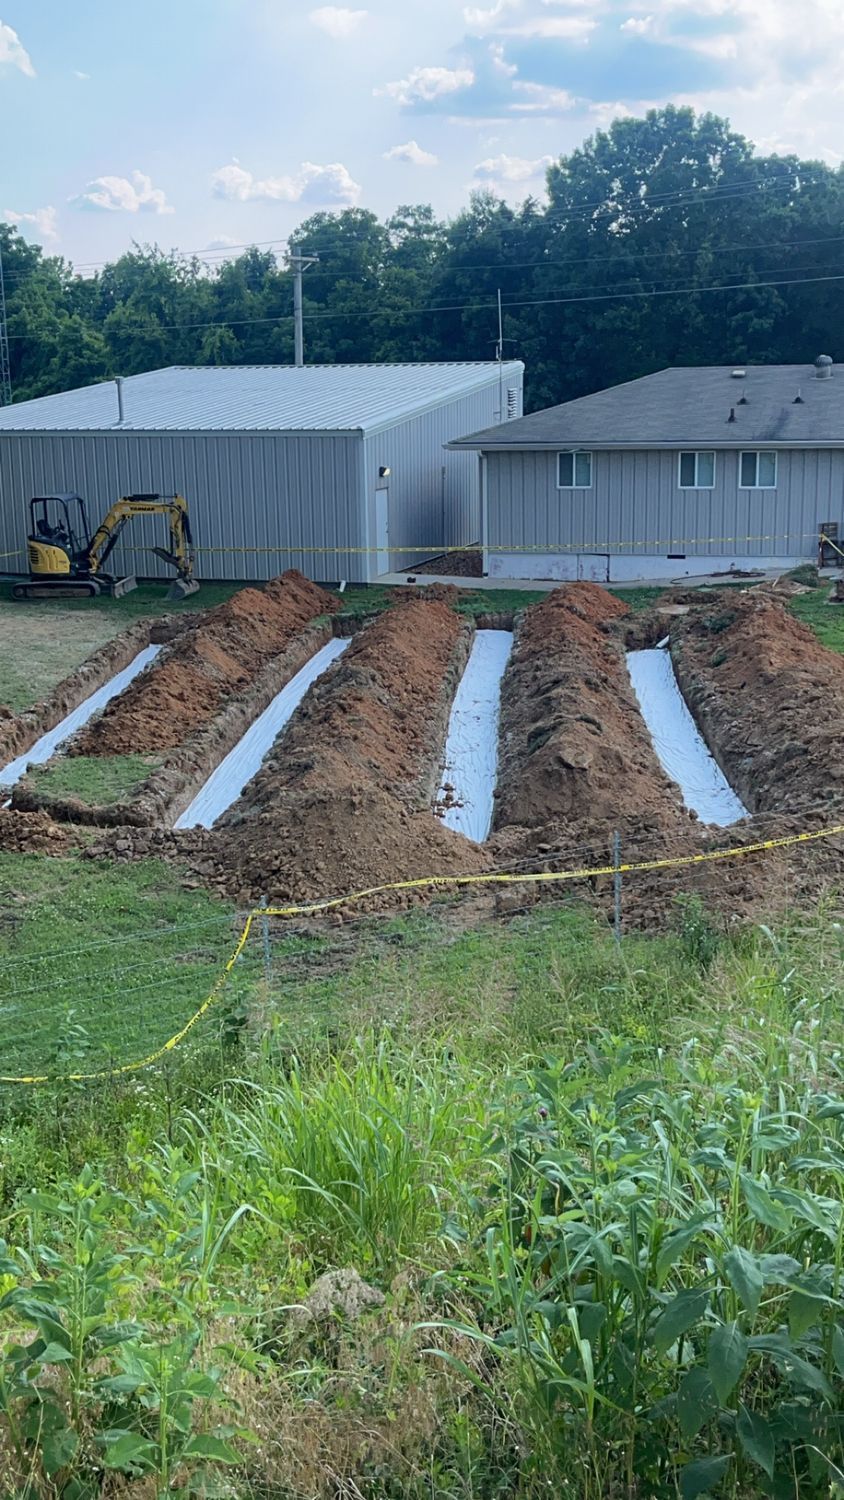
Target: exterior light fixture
column 384, row 472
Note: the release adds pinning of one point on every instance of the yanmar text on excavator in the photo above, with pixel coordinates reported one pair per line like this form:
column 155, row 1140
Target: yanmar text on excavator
column 67, row 562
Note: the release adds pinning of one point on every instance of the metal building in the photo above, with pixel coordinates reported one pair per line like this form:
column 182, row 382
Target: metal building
column 333, row 469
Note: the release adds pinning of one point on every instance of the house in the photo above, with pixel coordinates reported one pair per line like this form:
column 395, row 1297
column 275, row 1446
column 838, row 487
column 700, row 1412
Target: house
column 688, row 471
column 332, row 469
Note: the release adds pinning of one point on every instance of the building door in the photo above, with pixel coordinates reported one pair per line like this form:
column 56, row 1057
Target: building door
column 382, row 530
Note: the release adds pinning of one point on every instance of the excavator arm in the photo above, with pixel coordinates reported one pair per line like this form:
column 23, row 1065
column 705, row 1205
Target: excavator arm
column 180, row 553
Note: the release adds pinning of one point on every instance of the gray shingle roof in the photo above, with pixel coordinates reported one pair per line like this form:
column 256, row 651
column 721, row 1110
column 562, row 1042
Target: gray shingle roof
column 688, row 408
column 250, row 398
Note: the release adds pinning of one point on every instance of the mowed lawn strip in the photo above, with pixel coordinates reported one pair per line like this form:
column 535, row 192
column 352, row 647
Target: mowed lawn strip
column 96, row 780
column 101, row 963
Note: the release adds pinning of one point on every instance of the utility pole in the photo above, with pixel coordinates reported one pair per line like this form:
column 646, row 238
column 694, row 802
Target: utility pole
column 499, row 355
column 299, row 263
column 5, row 366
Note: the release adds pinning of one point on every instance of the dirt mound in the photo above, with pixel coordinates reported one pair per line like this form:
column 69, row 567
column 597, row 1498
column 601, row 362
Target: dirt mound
column 345, row 799
column 371, row 715
column 589, row 601
column 328, row 842
column 442, row 593
column 31, row 833
column 576, row 757
column 770, row 699
column 218, row 656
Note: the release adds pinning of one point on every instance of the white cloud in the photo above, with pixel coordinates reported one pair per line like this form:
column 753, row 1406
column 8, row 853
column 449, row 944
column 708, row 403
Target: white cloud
column 424, row 85
column 39, row 225
column 222, row 242
column 13, row 52
column 337, row 21
column 541, row 99
column 80, row 75
column 480, row 21
column 123, row 195
column 512, row 168
column 639, row 25
column 413, row 154
column 311, row 184
column 559, row 28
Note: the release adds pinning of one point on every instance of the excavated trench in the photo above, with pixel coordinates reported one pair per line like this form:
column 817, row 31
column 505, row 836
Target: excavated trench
column 54, row 739
column 338, row 772
column 344, row 800
column 680, row 747
column 466, row 797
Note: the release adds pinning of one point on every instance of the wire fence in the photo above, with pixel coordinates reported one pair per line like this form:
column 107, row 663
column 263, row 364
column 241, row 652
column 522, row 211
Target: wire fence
column 81, row 1020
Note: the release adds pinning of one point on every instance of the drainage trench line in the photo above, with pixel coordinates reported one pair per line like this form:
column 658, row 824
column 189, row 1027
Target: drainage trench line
column 50, row 742
column 236, row 770
column 466, row 795
column 679, row 744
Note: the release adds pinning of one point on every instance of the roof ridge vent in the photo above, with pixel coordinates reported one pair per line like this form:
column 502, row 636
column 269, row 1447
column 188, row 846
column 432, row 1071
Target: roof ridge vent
column 738, row 374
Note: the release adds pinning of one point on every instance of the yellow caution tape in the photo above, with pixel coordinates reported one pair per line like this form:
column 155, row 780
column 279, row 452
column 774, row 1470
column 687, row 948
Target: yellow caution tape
column 437, row 550
column 439, row 882
column 830, row 543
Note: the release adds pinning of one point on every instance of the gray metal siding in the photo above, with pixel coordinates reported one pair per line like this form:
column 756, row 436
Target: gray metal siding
column 434, row 493
column 255, row 491
column 636, row 503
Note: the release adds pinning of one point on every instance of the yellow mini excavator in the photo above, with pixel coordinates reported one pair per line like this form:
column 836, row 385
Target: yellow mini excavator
column 67, row 562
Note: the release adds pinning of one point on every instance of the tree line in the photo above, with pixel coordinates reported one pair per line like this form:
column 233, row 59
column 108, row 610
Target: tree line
column 614, row 276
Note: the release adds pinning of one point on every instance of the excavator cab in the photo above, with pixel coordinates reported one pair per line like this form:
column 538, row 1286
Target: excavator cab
column 57, row 546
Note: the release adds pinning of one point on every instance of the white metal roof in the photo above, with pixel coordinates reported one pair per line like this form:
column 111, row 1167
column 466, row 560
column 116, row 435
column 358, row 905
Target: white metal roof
column 256, row 398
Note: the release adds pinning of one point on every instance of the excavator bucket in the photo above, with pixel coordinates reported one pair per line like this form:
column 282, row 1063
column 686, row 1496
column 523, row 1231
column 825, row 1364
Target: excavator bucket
column 181, row 588
column 117, row 587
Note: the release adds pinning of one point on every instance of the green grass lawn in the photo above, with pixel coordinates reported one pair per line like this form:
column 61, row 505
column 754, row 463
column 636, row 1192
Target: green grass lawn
column 594, row 1191
column 99, row 963
column 96, row 780
column 827, row 620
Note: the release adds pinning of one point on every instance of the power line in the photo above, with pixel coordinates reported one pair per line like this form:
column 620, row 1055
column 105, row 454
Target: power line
column 675, row 198
column 491, row 306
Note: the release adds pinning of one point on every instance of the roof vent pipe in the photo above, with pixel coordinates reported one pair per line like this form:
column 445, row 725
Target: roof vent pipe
column 823, row 367
column 121, row 413
column 732, row 416
column 798, row 400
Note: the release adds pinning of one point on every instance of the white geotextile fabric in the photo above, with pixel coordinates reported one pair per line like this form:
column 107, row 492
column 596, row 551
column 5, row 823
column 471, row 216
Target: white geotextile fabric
column 227, row 781
column 471, row 753
column 681, row 749
column 50, row 742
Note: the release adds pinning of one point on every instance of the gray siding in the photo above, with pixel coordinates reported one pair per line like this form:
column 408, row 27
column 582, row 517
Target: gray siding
column 244, row 491
column 636, row 504
column 434, row 494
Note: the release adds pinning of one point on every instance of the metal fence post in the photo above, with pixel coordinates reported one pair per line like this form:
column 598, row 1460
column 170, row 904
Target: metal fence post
column 268, row 952
column 616, row 859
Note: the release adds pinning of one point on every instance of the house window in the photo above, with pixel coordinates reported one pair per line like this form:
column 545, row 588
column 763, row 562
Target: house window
column 574, row 470
column 758, row 470
column 697, row 471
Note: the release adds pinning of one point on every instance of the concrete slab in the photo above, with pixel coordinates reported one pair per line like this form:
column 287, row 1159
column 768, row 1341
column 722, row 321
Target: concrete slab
column 546, row 585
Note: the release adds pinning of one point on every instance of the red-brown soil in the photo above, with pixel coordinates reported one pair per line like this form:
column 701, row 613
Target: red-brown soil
column 576, row 758
column 345, row 799
column 769, row 698
column 31, row 833
column 217, row 657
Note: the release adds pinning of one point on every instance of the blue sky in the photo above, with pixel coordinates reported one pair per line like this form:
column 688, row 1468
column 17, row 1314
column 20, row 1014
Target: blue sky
column 202, row 124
